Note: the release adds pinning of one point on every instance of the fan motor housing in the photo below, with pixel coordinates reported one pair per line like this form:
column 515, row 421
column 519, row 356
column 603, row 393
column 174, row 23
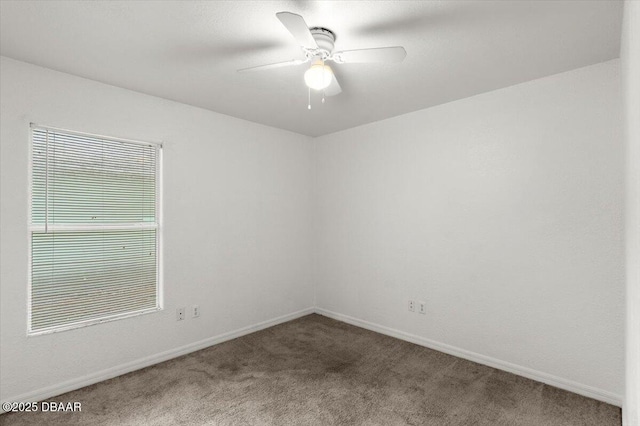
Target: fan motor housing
column 325, row 40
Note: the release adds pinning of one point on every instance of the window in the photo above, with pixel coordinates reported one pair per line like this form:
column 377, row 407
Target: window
column 94, row 229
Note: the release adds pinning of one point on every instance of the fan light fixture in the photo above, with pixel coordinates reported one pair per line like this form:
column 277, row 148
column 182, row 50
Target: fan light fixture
column 318, row 76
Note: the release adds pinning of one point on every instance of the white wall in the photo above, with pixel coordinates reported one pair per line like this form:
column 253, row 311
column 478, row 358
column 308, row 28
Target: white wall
column 504, row 212
column 237, row 217
column 630, row 59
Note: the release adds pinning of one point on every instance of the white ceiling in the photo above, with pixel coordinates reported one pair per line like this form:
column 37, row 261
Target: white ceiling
column 188, row 51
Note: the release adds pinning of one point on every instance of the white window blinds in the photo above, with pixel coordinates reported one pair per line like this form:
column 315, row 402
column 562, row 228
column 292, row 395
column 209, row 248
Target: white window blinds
column 94, row 229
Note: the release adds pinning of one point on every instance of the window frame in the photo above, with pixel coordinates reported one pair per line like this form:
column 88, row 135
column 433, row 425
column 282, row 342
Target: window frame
column 31, row 228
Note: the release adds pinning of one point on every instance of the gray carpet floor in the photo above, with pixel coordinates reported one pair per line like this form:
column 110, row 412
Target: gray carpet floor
column 317, row 371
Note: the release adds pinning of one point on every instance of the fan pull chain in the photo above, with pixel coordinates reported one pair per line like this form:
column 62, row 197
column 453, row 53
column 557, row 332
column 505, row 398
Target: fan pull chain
column 324, row 77
column 309, row 100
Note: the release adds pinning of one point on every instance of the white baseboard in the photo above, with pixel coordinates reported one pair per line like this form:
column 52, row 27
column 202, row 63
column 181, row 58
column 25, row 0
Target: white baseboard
column 559, row 382
column 70, row 385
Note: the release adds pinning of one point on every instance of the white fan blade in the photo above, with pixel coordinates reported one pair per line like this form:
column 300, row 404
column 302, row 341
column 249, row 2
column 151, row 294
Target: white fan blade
column 272, row 66
column 298, row 29
column 380, row 54
column 333, row 88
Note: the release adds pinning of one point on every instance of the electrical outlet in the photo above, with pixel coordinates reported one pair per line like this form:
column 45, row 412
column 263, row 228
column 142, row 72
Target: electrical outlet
column 422, row 308
column 179, row 314
column 412, row 306
column 195, row 311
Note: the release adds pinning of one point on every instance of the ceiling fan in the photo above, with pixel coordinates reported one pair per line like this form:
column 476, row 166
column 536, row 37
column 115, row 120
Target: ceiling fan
column 317, row 43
